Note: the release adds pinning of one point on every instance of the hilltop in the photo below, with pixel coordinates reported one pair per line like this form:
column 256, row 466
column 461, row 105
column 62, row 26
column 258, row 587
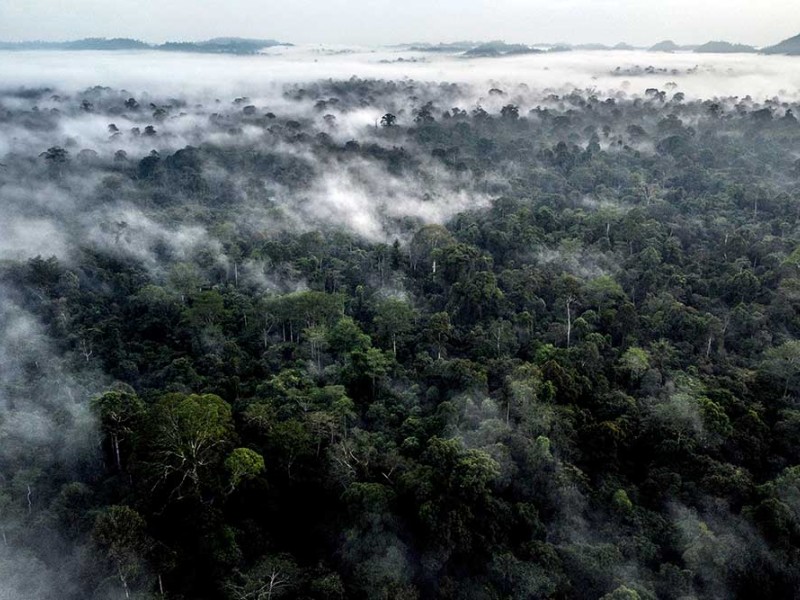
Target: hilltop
column 222, row 45
column 790, row 46
column 725, row 48
column 670, row 46
column 84, row 44
column 497, row 48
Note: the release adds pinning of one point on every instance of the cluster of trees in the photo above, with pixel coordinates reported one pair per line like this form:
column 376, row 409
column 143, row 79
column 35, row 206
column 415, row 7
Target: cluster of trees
column 586, row 389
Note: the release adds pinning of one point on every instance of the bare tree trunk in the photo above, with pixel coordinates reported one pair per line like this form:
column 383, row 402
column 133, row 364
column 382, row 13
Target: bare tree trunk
column 569, row 302
column 124, row 582
column 724, row 329
column 275, row 583
column 86, row 350
column 115, row 444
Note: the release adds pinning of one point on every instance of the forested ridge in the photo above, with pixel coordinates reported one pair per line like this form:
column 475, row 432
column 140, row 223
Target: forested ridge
column 534, row 346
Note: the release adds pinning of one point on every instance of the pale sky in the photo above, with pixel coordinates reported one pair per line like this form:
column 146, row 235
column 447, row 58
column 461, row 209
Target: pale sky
column 371, row 22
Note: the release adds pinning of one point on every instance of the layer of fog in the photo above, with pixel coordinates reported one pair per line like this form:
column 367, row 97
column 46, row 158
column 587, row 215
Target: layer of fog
column 702, row 76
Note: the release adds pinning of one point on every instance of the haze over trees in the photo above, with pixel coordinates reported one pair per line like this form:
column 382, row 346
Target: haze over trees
column 386, row 338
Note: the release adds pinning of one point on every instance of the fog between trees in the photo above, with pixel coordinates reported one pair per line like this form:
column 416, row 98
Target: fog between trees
column 275, row 327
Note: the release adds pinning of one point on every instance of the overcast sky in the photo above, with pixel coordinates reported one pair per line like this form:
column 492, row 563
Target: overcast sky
column 641, row 22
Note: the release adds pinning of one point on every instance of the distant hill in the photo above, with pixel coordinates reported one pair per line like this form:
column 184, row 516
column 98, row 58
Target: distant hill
column 790, row 46
column 468, row 49
column 105, row 44
column 221, row 46
column 497, row 48
column 84, row 44
column 725, row 48
column 670, row 46
column 230, row 45
column 446, row 47
column 665, row 46
column 27, row 46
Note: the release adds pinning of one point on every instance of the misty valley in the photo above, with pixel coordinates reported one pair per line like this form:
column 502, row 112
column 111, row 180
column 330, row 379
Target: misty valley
column 321, row 325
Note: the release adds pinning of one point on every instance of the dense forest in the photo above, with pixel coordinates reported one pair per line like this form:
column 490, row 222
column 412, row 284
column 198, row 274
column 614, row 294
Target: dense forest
column 380, row 339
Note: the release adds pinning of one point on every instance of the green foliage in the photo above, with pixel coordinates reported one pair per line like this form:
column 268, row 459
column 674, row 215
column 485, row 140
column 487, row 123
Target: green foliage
column 243, row 464
column 120, row 535
column 621, row 501
column 187, row 437
column 783, row 362
column 120, row 412
column 346, row 336
column 635, row 362
column 584, row 386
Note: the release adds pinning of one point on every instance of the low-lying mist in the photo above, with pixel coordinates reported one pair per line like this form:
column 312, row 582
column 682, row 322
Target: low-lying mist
column 699, row 76
column 144, row 183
